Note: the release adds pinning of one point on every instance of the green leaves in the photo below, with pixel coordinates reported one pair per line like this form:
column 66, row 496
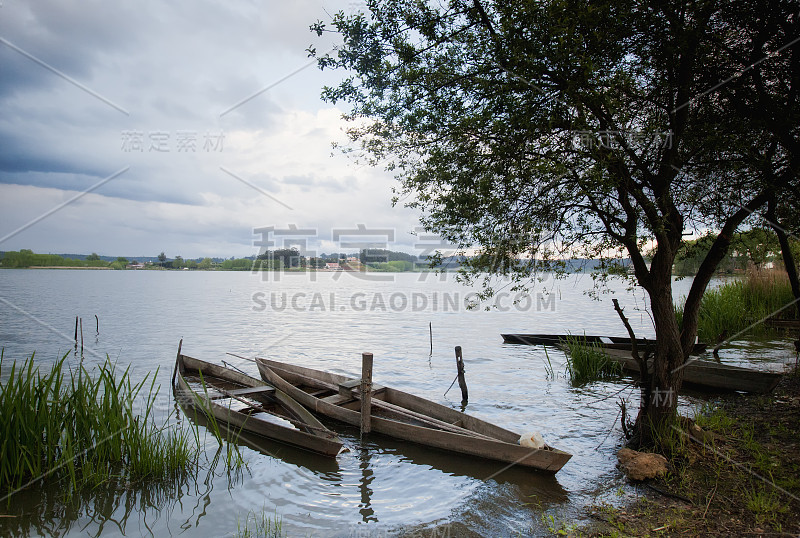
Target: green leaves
column 536, row 130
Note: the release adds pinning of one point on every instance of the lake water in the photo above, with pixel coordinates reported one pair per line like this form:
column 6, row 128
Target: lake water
column 379, row 487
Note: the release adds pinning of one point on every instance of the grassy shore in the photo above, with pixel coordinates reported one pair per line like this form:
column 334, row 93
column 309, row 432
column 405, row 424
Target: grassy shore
column 742, row 304
column 82, row 428
column 740, row 476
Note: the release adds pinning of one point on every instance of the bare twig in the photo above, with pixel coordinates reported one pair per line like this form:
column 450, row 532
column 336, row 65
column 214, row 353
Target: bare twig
column 713, row 492
column 624, row 418
column 642, row 361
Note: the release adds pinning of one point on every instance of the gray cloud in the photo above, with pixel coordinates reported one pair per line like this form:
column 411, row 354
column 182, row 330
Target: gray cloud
column 173, row 67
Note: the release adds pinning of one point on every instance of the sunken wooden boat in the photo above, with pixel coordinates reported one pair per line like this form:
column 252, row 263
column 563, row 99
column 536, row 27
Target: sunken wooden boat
column 782, row 323
column 711, row 375
column 606, row 342
column 407, row 417
column 244, row 403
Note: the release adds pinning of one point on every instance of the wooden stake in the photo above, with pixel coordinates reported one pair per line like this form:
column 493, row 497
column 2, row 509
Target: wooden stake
column 366, row 392
column 177, row 360
column 76, row 331
column 461, row 381
column 81, row 336
column 98, row 323
column 430, row 329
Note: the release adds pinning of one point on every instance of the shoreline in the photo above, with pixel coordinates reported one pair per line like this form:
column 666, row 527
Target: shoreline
column 217, row 270
column 743, row 477
column 63, row 267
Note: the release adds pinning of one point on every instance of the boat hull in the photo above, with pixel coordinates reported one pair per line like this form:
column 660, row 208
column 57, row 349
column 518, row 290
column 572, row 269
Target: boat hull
column 606, row 342
column 710, row 375
column 309, row 435
column 403, row 416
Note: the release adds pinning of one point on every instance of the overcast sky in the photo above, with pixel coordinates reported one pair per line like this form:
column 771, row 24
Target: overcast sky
column 154, row 108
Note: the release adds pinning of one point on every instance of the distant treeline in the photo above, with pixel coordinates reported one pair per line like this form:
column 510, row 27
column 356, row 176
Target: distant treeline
column 757, row 248
column 366, row 259
column 280, row 259
column 27, row 258
column 754, row 248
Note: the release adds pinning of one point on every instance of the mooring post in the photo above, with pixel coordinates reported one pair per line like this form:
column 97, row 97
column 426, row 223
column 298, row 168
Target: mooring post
column 366, row 392
column 177, row 360
column 797, row 350
column 461, row 381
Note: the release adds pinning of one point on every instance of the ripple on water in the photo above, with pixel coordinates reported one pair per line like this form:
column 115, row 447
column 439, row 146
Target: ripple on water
column 381, row 483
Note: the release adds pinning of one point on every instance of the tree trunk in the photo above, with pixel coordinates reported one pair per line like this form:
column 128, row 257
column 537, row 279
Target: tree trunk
column 786, row 252
column 659, row 409
column 716, row 253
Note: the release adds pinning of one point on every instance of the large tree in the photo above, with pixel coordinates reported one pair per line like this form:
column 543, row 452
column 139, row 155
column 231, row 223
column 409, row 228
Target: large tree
column 539, row 130
column 755, row 108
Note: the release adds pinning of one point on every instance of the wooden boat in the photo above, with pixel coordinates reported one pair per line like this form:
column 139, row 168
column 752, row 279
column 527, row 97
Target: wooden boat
column 710, row 375
column 407, row 417
column 245, row 403
column 606, row 342
column 783, row 323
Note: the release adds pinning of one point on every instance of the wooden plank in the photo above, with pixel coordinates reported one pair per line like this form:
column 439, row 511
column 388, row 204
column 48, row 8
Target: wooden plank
column 783, row 323
column 243, row 421
column 230, row 394
column 548, row 459
column 419, row 417
column 309, row 434
column 408, row 402
column 339, row 399
column 366, row 392
column 346, row 387
column 460, row 441
column 612, row 342
column 251, row 390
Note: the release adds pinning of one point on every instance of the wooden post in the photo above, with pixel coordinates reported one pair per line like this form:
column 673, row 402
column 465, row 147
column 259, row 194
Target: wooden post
column 81, row 336
column 98, row 323
column 430, row 330
column 797, row 349
column 461, row 381
column 177, row 360
column 366, row 392
column 76, row 332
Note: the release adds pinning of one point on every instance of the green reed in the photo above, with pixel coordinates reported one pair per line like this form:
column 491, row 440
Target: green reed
column 259, row 525
column 548, row 366
column 588, row 362
column 735, row 306
column 83, row 428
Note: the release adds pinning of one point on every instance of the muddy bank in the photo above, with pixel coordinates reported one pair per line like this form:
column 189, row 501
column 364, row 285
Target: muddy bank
column 740, row 477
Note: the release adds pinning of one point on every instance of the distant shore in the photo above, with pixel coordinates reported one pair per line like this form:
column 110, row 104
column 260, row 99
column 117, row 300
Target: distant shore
column 216, row 269
column 65, row 267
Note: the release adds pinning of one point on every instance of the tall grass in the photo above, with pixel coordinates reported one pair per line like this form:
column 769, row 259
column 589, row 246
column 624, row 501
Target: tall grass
column 734, row 306
column 263, row 526
column 81, row 427
column 548, row 366
column 588, row 362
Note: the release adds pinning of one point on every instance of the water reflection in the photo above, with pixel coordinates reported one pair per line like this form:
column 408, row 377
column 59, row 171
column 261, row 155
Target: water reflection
column 366, row 511
column 46, row 510
column 525, row 481
column 285, row 453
